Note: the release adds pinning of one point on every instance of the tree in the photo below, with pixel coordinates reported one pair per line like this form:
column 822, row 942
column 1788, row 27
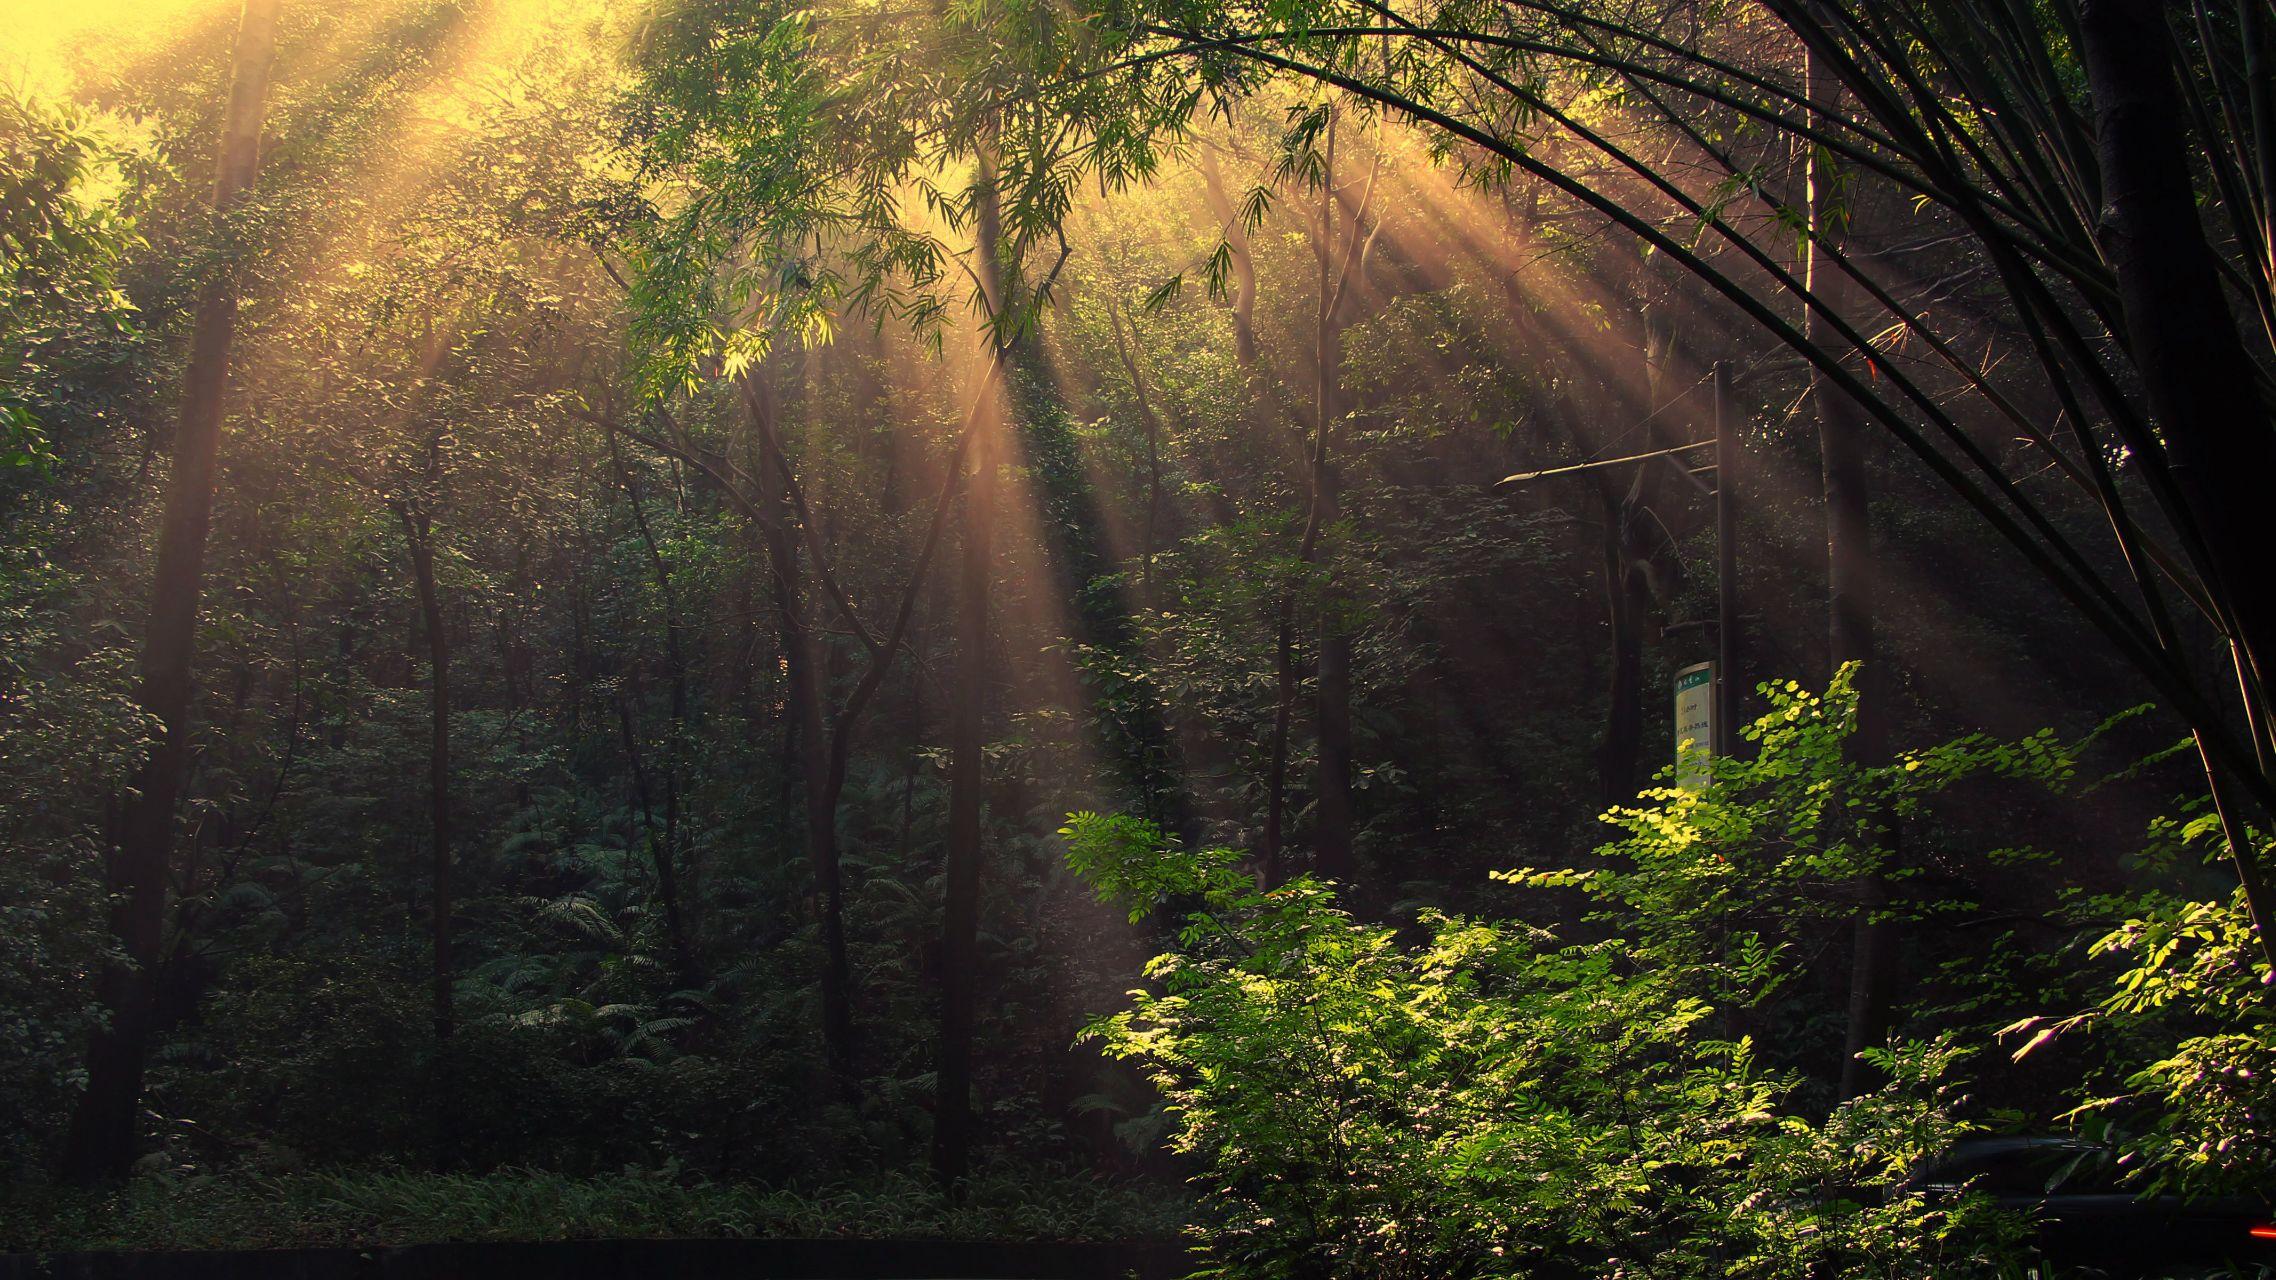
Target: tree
column 1339, row 256
column 664, row 845
column 1849, row 580
column 61, row 241
column 1924, row 77
column 102, row 1139
column 417, row 519
column 2207, row 397
column 964, row 859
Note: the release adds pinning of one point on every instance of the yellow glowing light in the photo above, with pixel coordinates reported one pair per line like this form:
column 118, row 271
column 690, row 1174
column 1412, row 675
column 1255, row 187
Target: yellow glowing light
column 46, row 45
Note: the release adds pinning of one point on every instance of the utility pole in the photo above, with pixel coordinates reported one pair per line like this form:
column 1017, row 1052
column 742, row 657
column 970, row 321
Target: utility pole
column 1727, row 686
column 1724, row 697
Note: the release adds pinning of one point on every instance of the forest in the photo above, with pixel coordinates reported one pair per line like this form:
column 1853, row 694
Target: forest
column 1366, row 639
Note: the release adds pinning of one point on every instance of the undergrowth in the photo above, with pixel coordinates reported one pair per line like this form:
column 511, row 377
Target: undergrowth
column 374, row 1209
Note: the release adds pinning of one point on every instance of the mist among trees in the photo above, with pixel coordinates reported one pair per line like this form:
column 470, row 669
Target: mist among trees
column 1383, row 639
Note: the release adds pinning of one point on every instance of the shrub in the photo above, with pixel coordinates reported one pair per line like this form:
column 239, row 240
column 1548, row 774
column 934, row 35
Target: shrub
column 1494, row 1100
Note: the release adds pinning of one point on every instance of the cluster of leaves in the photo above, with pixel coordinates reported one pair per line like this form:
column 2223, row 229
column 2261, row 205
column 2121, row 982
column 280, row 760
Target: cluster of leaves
column 67, row 718
column 1774, row 851
column 70, row 734
column 65, row 224
column 2190, row 995
column 2210, row 1108
column 1495, row 1100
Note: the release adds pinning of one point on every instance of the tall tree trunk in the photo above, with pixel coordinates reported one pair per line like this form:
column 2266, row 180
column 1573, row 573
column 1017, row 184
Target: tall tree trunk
column 823, row 855
column 658, row 841
column 1332, row 853
column 2196, row 375
column 1332, row 840
column 1619, row 753
column 1849, row 594
column 1270, row 846
column 2259, row 40
column 579, row 679
column 418, row 531
column 1730, row 632
column 1132, row 354
column 913, row 763
column 967, row 741
column 1162, row 743
column 100, row 1146
column 1331, row 701
column 810, row 749
column 665, row 853
column 966, row 837
column 1627, row 595
column 1244, row 294
column 1631, row 541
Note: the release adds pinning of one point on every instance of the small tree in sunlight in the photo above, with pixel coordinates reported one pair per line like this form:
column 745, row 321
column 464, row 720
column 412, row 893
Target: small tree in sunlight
column 2185, row 1019
column 65, row 222
column 1497, row 1100
column 1718, row 879
column 2203, row 1108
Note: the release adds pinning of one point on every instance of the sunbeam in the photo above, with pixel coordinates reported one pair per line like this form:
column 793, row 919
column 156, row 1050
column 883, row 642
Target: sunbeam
column 1137, row 638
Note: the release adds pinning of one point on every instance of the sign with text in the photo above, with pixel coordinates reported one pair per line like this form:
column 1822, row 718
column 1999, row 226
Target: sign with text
column 1694, row 724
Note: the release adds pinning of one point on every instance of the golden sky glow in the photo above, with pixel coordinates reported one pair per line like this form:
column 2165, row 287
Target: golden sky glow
column 43, row 42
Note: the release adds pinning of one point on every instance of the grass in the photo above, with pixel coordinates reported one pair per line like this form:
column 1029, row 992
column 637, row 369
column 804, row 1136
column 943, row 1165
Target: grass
column 372, row 1209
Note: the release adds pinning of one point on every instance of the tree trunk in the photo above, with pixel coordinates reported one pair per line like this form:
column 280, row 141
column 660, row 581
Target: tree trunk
column 1129, row 349
column 1244, row 294
column 664, row 853
column 809, row 750
column 659, row 843
column 1332, row 835
column 968, row 764
column 419, row 532
column 2254, row 33
column 1332, row 853
column 2196, row 375
column 1730, row 638
column 1627, row 595
column 1619, row 753
column 101, row 1143
column 913, row 763
column 1635, row 545
column 1849, row 596
column 960, row 918
column 1269, row 849
column 1331, row 706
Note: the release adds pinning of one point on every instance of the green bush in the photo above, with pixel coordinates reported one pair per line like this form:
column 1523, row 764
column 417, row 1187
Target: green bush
column 1494, row 1100
column 2190, row 994
column 66, row 718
